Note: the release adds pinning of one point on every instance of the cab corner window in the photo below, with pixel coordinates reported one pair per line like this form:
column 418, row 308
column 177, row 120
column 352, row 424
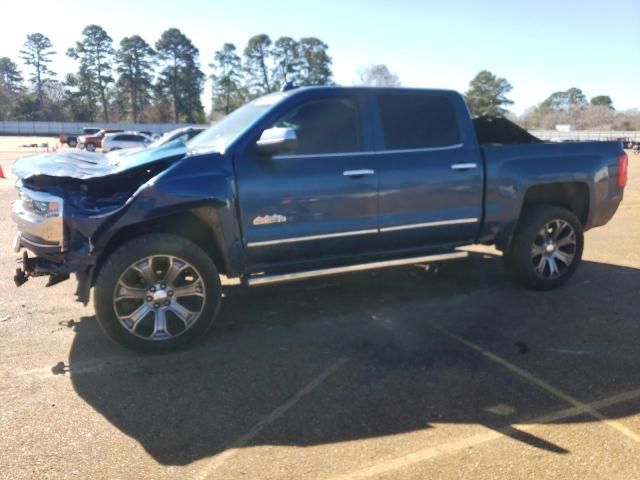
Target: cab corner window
column 417, row 121
column 324, row 126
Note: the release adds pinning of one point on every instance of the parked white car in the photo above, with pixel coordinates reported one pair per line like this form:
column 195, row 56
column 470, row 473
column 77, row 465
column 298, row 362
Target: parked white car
column 117, row 141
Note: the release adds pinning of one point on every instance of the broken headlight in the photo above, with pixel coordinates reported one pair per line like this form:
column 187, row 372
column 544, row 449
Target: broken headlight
column 42, row 206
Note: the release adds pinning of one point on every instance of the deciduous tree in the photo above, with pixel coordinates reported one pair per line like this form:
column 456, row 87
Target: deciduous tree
column 565, row 101
column 602, row 101
column 378, row 76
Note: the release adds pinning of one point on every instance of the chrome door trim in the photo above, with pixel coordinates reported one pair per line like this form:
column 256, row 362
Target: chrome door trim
column 394, row 228
column 358, row 173
column 441, row 223
column 265, row 243
column 417, row 150
column 323, row 155
column 253, row 280
column 368, row 152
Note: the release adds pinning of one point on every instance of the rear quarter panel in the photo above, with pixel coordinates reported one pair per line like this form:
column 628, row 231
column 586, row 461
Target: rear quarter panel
column 512, row 169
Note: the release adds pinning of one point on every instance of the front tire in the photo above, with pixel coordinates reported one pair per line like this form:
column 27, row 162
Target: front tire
column 546, row 248
column 157, row 293
column 91, row 147
column 72, row 143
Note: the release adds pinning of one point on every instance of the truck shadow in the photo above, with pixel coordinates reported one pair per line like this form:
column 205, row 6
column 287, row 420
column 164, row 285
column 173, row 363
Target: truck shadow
column 402, row 371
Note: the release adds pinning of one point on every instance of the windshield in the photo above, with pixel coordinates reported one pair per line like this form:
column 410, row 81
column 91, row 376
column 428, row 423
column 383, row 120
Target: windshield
column 220, row 135
column 166, row 137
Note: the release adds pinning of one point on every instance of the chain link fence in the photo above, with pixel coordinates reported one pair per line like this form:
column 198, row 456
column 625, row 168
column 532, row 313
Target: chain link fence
column 56, row 128
column 587, row 135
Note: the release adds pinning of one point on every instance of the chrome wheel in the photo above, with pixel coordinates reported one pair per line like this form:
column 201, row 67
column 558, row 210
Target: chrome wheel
column 159, row 297
column 554, row 249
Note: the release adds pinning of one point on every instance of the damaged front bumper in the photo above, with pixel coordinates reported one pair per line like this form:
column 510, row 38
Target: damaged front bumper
column 58, row 265
column 40, row 222
column 68, row 203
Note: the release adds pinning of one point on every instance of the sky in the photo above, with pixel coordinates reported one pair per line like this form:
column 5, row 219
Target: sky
column 539, row 46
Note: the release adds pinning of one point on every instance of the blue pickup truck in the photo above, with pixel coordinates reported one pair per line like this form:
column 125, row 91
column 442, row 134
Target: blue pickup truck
column 303, row 183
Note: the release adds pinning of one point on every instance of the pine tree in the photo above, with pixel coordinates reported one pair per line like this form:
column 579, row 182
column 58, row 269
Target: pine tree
column 257, row 65
column 134, row 58
column 227, row 93
column 10, row 77
column 487, row 95
column 316, row 62
column 36, row 53
column 181, row 78
column 287, row 61
column 95, row 53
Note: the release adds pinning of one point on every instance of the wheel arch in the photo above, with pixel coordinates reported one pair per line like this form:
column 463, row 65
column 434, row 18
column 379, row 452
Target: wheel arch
column 574, row 196
column 196, row 225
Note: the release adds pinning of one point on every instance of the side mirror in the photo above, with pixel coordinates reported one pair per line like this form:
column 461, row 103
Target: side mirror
column 277, row 140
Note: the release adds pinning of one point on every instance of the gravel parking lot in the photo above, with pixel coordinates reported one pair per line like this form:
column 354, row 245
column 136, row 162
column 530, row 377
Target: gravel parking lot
column 397, row 374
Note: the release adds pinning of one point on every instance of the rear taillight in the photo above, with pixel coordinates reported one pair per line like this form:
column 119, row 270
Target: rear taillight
column 623, row 170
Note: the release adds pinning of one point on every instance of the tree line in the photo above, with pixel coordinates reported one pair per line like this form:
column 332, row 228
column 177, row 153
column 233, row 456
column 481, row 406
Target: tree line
column 164, row 82
column 487, row 95
column 161, row 83
column 572, row 107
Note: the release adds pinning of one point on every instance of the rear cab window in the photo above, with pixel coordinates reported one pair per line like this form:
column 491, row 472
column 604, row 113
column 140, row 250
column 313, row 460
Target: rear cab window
column 417, row 121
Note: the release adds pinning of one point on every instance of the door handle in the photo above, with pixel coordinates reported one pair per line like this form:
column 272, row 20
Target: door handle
column 464, row 166
column 358, row 173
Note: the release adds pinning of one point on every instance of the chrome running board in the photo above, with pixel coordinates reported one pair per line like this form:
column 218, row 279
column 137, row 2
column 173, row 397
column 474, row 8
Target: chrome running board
column 257, row 279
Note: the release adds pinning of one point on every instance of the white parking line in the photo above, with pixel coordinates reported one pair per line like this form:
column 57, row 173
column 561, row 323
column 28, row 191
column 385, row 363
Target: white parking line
column 240, row 442
column 543, row 385
column 430, row 453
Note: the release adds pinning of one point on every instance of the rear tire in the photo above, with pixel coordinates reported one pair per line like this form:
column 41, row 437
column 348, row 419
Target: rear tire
column 546, row 248
column 91, row 147
column 72, row 143
column 157, row 293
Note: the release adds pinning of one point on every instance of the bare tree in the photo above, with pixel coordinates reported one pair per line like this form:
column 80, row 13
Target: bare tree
column 596, row 117
column 378, row 76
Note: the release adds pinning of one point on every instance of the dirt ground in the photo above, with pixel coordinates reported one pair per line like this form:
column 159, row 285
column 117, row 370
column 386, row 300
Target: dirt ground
column 397, row 374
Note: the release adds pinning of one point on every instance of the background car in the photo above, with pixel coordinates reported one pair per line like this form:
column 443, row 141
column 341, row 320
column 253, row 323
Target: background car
column 183, row 134
column 93, row 141
column 71, row 139
column 117, row 141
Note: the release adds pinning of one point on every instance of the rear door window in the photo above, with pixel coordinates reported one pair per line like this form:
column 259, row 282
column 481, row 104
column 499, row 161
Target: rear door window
column 418, row 121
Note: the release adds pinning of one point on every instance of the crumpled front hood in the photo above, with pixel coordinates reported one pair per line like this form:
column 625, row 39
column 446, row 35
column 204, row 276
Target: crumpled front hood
column 84, row 165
